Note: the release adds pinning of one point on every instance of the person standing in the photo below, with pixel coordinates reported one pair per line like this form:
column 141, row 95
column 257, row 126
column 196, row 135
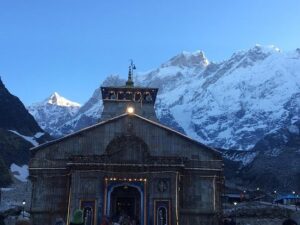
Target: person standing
column 23, row 222
column 77, row 218
column 104, row 221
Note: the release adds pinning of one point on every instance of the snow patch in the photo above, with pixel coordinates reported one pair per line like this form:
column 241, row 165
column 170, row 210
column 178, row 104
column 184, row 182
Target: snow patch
column 274, row 152
column 27, row 138
column 293, row 129
column 240, row 156
column 39, row 134
column 20, row 172
column 7, row 189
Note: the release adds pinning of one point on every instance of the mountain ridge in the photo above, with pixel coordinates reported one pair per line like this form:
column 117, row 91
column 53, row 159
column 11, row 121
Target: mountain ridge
column 237, row 92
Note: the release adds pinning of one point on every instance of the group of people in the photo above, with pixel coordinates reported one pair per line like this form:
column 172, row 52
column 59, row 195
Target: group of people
column 122, row 220
column 289, row 222
column 77, row 219
column 228, row 221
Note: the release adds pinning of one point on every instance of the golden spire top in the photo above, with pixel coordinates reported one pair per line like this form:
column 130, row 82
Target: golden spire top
column 129, row 82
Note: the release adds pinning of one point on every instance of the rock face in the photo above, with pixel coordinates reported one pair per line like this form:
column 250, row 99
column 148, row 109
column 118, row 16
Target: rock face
column 14, row 115
column 276, row 166
column 18, row 132
column 273, row 163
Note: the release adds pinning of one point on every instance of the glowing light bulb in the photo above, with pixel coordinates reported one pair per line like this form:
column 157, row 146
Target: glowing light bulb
column 130, row 110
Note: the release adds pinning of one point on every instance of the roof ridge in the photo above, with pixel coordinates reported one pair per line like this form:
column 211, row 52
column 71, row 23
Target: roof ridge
column 118, row 117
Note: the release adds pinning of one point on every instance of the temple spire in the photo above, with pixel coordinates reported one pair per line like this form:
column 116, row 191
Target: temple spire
column 129, row 82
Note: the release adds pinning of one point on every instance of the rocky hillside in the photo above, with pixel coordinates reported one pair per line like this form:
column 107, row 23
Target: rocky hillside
column 276, row 166
column 18, row 132
column 273, row 163
column 14, row 115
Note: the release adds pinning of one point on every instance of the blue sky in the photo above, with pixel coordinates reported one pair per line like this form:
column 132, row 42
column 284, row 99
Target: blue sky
column 70, row 46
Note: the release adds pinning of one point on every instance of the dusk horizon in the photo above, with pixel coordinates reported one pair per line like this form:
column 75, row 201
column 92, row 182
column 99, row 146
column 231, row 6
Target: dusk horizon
column 71, row 45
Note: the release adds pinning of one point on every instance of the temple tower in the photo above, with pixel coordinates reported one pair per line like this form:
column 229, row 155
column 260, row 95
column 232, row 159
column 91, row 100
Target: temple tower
column 129, row 99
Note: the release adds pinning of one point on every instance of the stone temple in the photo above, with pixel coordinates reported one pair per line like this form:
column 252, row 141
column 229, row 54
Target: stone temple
column 127, row 166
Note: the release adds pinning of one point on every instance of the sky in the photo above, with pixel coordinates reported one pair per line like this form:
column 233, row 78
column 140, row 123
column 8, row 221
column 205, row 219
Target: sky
column 70, row 46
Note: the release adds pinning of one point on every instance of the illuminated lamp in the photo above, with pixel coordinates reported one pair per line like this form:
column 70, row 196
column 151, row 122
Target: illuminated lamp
column 130, row 110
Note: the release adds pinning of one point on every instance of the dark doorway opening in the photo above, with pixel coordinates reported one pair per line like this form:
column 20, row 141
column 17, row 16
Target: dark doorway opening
column 126, row 204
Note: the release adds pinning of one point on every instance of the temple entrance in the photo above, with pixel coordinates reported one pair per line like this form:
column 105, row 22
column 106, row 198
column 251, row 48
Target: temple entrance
column 125, row 204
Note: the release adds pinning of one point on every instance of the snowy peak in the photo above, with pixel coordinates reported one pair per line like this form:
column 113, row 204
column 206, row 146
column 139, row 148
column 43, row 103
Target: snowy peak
column 114, row 80
column 56, row 99
column 188, row 59
column 53, row 112
column 179, row 69
column 251, row 56
column 259, row 50
column 264, row 48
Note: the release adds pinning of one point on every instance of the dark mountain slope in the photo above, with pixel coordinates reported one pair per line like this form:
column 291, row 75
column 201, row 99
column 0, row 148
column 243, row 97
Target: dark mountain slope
column 14, row 115
column 16, row 124
column 277, row 164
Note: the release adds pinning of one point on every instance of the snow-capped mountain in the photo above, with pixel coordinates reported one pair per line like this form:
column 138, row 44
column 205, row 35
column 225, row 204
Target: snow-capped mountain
column 53, row 112
column 231, row 104
column 87, row 115
column 70, row 116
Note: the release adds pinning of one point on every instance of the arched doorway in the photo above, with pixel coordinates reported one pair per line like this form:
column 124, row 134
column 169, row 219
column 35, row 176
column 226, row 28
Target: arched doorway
column 126, row 200
column 125, row 196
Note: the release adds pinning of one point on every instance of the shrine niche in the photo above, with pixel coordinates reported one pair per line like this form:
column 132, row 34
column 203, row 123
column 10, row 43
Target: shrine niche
column 89, row 211
column 162, row 213
column 163, row 185
column 128, row 168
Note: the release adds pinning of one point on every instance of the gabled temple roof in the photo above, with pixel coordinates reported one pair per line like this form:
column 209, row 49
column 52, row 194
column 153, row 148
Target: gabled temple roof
column 117, row 118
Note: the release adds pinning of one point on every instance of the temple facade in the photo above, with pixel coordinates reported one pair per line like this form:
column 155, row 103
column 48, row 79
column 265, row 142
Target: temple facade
column 127, row 166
